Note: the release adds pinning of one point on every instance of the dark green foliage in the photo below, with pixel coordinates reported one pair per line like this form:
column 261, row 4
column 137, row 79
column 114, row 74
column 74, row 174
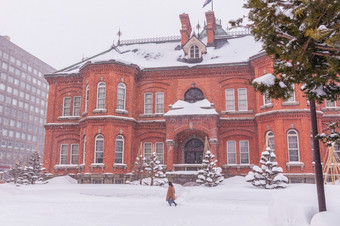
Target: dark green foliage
column 302, row 37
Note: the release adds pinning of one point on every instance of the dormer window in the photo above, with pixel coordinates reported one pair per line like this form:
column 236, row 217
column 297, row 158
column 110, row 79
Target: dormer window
column 194, row 52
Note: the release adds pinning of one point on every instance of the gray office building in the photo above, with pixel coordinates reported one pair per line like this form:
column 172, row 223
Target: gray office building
column 23, row 103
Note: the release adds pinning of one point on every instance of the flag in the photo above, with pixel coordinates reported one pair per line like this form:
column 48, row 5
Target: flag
column 206, row 3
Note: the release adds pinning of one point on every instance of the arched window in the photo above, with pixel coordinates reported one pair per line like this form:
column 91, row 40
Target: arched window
column 84, row 149
column 99, row 149
column 119, row 151
column 121, row 95
column 194, row 52
column 270, row 139
column 293, row 146
column 192, row 95
column 87, row 92
column 101, row 90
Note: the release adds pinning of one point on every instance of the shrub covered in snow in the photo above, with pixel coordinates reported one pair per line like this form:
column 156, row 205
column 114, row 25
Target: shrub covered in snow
column 155, row 171
column 29, row 174
column 269, row 175
column 209, row 175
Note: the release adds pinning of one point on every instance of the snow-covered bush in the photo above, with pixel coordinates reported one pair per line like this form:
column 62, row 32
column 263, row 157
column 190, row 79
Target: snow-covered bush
column 29, row 174
column 209, row 175
column 155, row 171
column 269, row 175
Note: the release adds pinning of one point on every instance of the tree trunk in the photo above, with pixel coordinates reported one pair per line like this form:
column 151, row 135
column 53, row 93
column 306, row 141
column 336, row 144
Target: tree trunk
column 318, row 167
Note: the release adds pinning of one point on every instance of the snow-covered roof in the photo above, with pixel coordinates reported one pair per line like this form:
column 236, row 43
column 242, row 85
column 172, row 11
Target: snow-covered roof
column 170, row 54
column 202, row 107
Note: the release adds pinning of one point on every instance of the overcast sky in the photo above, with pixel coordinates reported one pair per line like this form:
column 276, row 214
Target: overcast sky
column 61, row 32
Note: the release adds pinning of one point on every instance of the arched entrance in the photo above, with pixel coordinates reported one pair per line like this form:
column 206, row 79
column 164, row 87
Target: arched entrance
column 193, row 151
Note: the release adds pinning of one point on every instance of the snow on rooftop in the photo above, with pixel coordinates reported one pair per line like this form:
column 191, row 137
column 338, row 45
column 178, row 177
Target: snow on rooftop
column 202, row 107
column 168, row 54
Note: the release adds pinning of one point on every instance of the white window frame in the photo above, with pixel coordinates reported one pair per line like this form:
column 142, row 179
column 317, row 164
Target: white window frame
column 271, row 140
column 67, row 107
column 98, row 138
column 266, row 99
column 119, row 138
column 231, row 152
column 244, row 151
column 74, row 156
column 87, row 92
column 76, row 108
column 292, row 98
column 63, row 156
column 84, row 150
column 101, row 86
column 194, row 52
column 292, row 148
column 160, row 152
column 121, row 97
column 241, row 100
column 330, row 104
column 147, row 151
column 230, row 98
column 147, row 109
column 159, row 103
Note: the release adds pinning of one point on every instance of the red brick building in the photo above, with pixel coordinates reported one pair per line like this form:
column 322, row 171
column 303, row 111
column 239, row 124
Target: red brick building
column 171, row 93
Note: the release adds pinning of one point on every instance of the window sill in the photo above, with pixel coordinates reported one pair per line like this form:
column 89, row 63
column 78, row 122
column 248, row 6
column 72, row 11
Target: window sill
column 84, row 113
column 293, row 103
column 99, row 111
column 330, row 109
column 65, row 167
column 266, row 106
column 238, row 112
column 295, row 164
column 120, row 111
column 68, row 118
column 97, row 165
column 151, row 115
column 119, row 166
column 238, row 167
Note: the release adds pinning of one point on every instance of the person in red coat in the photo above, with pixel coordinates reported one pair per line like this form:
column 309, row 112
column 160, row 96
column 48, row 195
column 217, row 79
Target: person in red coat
column 170, row 196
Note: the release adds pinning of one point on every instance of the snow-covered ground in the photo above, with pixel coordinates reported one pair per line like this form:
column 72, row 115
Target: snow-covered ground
column 62, row 202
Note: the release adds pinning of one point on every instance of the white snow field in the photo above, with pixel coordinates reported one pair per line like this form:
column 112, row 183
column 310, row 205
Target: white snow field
column 235, row 202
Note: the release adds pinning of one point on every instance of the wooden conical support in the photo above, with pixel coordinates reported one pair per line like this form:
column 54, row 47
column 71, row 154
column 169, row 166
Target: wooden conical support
column 206, row 147
column 332, row 166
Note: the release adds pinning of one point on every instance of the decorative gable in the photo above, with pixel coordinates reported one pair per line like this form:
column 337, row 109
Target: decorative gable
column 194, row 49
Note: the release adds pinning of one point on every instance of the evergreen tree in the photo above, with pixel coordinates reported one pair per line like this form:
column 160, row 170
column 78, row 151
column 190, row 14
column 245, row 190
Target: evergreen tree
column 34, row 170
column 14, row 173
column 139, row 167
column 155, row 170
column 209, row 175
column 302, row 38
column 269, row 175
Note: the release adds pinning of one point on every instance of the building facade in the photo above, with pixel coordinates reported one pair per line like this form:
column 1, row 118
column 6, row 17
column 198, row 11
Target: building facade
column 23, row 97
column 166, row 95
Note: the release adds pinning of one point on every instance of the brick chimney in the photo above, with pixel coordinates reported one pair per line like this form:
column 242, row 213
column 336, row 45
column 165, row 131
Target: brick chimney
column 211, row 27
column 186, row 28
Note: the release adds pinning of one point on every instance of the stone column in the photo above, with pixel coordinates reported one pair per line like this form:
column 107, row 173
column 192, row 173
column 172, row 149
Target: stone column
column 170, row 154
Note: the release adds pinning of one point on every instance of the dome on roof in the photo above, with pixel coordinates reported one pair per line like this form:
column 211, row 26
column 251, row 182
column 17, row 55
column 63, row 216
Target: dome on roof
column 218, row 32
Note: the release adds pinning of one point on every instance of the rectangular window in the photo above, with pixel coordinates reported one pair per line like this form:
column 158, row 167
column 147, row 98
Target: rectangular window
column 292, row 98
column 119, row 150
column 76, row 106
column 231, row 152
column 67, row 106
column 74, row 154
column 160, row 152
column 87, row 91
column 293, row 149
column 84, row 150
column 101, row 97
column 242, row 99
column 63, row 154
column 160, row 102
column 330, row 104
column 147, row 151
column 121, row 96
column 244, row 151
column 147, row 103
column 266, row 100
column 230, row 99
